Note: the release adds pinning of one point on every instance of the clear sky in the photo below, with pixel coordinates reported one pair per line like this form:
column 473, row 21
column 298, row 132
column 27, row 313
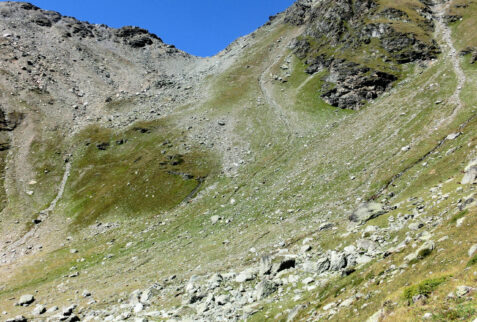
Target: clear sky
column 199, row 27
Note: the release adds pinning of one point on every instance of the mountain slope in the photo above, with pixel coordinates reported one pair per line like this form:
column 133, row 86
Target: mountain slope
column 322, row 167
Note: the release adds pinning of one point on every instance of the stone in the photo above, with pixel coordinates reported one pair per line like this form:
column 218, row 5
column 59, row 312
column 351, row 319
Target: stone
column 305, row 248
column 86, row 293
column 366, row 212
column 453, row 136
column 284, row 264
column 337, row 261
column 52, row 309
column 26, row 300
column 202, row 308
column 308, row 280
column 325, row 226
column 427, row 316
column 416, row 226
column 134, row 297
column 73, row 251
column 222, row 299
column 265, row 267
column 463, row 290
column 215, row 281
column 366, row 245
column 245, row 276
column 214, row 219
column 294, row 312
column 425, row 249
column 322, row 265
column 18, row 318
column 38, row 310
column 472, row 250
column 419, row 298
column 470, row 171
column 138, row 307
column 460, row 222
column 347, row 302
column 422, row 252
column 67, row 311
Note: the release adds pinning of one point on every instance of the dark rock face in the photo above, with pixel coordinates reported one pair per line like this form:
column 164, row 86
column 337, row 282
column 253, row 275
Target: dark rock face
column 297, row 13
column 333, row 28
column 472, row 51
column 355, row 84
column 41, row 20
column 136, row 37
column 8, row 124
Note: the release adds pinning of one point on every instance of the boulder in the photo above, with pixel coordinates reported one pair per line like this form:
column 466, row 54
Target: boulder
column 18, row 318
column 472, row 250
column 38, row 310
column 246, row 275
column 264, row 289
column 470, row 176
column 265, row 265
column 337, row 261
column 366, row 212
column 26, row 300
column 283, row 264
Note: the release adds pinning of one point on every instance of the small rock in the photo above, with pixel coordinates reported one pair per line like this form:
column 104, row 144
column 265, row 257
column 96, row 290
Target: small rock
column 416, row 226
column 38, row 310
column 453, row 136
column 325, row 226
column 18, row 318
column 460, row 221
column 463, row 290
column 305, row 248
column 214, row 219
column 138, row 307
column 308, row 280
column 472, row 250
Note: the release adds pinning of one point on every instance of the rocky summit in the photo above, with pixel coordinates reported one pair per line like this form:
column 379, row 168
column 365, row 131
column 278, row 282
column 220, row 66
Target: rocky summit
column 323, row 167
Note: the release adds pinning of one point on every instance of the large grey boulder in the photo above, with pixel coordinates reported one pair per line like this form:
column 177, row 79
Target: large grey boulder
column 337, row 261
column 265, row 265
column 284, row 263
column 470, row 176
column 367, row 211
column 264, row 289
column 26, row 300
column 247, row 275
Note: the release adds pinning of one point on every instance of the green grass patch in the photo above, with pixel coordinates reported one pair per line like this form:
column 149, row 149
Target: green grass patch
column 425, row 288
column 458, row 216
column 137, row 172
column 472, row 261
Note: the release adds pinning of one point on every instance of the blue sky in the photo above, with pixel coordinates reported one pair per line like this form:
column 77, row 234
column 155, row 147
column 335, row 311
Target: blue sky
column 200, row 27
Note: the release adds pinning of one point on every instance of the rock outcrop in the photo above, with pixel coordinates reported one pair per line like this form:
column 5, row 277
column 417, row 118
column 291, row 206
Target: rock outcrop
column 335, row 30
